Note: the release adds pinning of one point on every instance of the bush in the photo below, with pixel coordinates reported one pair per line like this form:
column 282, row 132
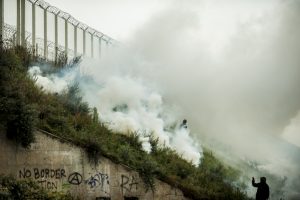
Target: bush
column 147, row 172
column 72, row 100
column 21, row 124
column 17, row 114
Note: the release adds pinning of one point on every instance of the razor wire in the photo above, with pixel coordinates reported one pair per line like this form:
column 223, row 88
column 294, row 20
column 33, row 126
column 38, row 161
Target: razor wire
column 9, row 40
column 69, row 18
column 53, row 50
column 9, row 36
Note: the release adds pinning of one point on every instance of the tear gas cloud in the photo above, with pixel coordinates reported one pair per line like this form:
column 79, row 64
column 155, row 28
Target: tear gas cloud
column 126, row 105
column 240, row 92
column 238, row 88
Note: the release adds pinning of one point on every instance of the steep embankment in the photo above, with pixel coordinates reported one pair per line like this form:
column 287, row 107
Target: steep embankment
column 25, row 107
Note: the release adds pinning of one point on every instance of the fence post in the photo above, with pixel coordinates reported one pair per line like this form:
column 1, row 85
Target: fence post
column 33, row 28
column 23, row 33
column 37, row 49
column 1, row 21
column 92, row 45
column 56, row 35
column 75, row 39
column 84, row 42
column 18, row 21
column 66, row 36
column 100, row 48
column 45, row 34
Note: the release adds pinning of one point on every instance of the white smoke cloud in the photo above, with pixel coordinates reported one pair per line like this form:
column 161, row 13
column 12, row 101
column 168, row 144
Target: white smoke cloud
column 126, row 105
column 185, row 145
column 241, row 91
column 53, row 82
column 130, row 106
column 291, row 133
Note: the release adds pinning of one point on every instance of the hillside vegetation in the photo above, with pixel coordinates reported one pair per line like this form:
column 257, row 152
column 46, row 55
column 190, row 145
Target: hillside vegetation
column 24, row 108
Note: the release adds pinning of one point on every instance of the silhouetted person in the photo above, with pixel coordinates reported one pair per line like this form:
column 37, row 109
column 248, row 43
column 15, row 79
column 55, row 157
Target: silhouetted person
column 183, row 124
column 262, row 189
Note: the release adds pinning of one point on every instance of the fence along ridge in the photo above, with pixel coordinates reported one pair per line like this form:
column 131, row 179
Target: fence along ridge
column 56, row 11
column 20, row 36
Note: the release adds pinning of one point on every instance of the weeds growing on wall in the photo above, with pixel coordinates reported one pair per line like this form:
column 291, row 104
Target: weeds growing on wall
column 24, row 107
column 27, row 189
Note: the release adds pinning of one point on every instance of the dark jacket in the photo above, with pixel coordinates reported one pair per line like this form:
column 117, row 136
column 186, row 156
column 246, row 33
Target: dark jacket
column 262, row 190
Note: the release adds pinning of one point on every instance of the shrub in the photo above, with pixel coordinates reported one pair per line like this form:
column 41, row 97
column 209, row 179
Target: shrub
column 17, row 115
column 147, row 172
column 72, row 100
column 21, row 124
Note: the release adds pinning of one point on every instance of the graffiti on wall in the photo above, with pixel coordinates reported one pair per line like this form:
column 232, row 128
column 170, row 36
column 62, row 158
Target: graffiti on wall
column 75, row 178
column 97, row 180
column 47, row 178
column 37, row 173
column 128, row 183
column 51, row 178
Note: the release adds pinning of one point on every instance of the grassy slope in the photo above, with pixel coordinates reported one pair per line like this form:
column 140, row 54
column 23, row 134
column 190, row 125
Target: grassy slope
column 25, row 107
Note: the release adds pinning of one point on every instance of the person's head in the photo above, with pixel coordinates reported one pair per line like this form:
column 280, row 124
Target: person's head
column 184, row 121
column 263, row 179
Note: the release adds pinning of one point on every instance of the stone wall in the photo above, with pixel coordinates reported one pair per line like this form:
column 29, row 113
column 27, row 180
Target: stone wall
column 61, row 166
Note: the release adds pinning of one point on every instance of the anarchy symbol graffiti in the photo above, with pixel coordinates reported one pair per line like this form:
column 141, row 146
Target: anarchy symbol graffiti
column 75, row 178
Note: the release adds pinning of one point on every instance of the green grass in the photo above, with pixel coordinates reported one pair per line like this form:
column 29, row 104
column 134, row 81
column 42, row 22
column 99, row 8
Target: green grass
column 28, row 108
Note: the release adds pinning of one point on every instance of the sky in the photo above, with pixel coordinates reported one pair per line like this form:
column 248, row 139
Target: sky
column 121, row 18
column 115, row 18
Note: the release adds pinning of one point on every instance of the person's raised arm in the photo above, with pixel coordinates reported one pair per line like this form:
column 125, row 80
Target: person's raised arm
column 253, row 183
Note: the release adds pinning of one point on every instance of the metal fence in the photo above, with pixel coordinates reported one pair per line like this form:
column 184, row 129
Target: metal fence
column 19, row 26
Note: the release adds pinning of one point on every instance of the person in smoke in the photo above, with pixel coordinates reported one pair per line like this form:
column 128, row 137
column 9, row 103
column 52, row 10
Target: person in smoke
column 183, row 124
column 262, row 188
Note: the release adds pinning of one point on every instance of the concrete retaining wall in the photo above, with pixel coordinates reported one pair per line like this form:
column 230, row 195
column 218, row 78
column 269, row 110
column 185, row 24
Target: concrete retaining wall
column 63, row 167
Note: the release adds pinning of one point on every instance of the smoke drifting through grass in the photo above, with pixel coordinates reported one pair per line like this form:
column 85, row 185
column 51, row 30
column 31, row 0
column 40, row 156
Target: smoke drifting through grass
column 127, row 106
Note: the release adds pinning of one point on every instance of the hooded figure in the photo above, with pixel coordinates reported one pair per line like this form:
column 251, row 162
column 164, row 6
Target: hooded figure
column 262, row 189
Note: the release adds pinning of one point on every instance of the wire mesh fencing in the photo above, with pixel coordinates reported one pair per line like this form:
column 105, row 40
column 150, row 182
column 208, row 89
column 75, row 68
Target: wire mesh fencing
column 52, row 21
